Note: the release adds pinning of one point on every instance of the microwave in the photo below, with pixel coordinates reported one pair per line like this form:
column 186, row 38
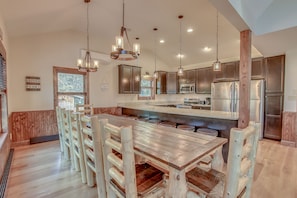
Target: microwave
column 187, row 88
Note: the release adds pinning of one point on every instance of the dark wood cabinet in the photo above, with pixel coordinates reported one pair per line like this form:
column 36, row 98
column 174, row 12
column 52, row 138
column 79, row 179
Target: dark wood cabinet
column 129, row 79
column 229, row 71
column 274, row 75
column 171, row 83
column 161, row 82
column 273, row 116
column 188, row 77
column 204, row 78
column 258, row 69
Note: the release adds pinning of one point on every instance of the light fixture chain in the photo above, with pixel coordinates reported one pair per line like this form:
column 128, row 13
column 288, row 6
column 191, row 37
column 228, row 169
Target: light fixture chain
column 88, row 47
column 155, row 49
column 217, row 51
column 180, row 42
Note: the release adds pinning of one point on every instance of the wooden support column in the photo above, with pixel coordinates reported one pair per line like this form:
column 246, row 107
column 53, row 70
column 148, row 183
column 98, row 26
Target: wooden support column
column 245, row 68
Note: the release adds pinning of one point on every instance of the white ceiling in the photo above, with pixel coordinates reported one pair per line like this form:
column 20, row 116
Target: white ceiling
column 31, row 17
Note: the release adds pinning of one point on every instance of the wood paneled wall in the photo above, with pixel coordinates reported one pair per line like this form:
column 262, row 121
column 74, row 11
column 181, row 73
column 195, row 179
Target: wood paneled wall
column 29, row 124
column 289, row 129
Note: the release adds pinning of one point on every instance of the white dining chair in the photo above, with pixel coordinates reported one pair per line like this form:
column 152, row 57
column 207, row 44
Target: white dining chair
column 60, row 127
column 92, row 150
column 78, row 155
column 68, row 151
column 122, row 176
column 240, row 168
column 86, row 109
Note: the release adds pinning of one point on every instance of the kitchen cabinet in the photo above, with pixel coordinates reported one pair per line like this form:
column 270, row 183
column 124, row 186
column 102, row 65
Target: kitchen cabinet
column 229, row 71
column 188, row 77
column 274, row 75
column 273, row 116
column 129, row 79
column 161, row 82
column 171, row 83
column 258, row 69
column 204, row 78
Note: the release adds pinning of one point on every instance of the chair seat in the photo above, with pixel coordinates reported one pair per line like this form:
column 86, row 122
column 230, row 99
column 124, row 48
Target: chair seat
column 168, row 124
column 207, row 131
column 186, row 127
column 147, row 177
column 215, row 126
column 205, row 180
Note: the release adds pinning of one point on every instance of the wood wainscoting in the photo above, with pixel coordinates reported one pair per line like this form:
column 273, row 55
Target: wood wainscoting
column 31, row 124
column 289, row 129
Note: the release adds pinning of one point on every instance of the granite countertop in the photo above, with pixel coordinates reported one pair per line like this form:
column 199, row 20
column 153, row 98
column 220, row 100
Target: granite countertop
column 153, row 107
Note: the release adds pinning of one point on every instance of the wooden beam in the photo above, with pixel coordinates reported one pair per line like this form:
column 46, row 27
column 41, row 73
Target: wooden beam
column 245, row 78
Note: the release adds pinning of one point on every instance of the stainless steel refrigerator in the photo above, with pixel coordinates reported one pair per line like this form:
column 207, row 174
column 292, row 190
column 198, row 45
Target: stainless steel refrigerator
column 225, row 97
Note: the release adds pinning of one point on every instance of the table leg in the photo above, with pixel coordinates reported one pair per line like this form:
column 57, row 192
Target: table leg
column 177, row 185
column 218, row 160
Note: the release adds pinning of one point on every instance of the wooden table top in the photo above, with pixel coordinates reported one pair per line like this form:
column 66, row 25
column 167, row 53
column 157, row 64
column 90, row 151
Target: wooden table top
column 175, row 147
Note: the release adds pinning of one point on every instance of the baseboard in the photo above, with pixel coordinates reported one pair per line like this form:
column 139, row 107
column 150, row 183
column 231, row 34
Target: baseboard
column 288, row 143
column 6, row 171
column 36, row 140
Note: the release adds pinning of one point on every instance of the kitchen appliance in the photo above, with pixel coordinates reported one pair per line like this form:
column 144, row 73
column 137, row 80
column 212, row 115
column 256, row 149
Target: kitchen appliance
column 225, row 97
column 187, row 88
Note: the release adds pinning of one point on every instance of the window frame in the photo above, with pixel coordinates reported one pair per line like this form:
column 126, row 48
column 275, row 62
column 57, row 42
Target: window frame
column 68, row 70
column 153, row 90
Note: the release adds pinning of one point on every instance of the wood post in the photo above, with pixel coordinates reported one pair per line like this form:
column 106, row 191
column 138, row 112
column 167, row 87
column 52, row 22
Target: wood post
column 245, row 68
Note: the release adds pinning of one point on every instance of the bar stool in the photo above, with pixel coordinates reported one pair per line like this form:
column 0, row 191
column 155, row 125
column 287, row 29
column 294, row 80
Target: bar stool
column 198, row 124
column 143, row 118
column 186, row 127
column 167, row 123
column 207, row 131
column 219, row 127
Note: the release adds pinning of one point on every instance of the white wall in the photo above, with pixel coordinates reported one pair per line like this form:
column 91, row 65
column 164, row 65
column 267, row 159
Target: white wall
column 36, row 56
column 290, row 97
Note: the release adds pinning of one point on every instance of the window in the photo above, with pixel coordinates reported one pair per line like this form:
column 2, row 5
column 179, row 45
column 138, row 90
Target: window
column 70, row 87
column 146, row 90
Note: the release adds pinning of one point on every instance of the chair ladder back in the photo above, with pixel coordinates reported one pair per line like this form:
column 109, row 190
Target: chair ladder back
column 86, row 109
column 79, row 156
column 116, row 167
column 68, row 152
column 241, row 160
column 60, row 127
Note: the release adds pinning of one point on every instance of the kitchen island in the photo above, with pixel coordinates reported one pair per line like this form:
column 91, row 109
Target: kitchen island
column 195, row 117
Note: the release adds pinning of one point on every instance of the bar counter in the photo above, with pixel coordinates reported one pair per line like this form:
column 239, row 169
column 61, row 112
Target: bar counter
column 194, row 117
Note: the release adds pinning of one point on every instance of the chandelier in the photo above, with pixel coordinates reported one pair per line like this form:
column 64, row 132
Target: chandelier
column 118, row 51
column 87, row 64
column 180, row 70
column 217, row 63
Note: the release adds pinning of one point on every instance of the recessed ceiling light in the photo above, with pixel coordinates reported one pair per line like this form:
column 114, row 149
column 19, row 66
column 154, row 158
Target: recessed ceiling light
column 206, row 49
column 190, row 30
column 162, row 41
column 180, row 55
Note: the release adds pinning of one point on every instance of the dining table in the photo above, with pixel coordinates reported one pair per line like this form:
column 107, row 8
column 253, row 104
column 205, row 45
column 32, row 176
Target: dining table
column 174, row 151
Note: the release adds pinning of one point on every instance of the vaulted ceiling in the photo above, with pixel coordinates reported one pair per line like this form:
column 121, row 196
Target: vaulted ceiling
column 32, row 17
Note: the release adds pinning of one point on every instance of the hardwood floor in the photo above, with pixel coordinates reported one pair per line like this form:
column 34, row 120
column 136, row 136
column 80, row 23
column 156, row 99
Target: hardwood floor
column 39, row 171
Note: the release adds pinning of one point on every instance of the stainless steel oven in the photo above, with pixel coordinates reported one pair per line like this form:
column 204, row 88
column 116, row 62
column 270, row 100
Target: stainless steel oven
column 187, row 88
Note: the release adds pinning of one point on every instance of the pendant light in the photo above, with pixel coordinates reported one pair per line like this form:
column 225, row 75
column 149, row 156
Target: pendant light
column 155, row 72
column 118, row 52
column 217, row 65
column 87, row 64
column 180, row 70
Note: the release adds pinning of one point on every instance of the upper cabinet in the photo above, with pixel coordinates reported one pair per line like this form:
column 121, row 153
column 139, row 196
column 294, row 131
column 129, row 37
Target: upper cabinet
column 171, row 83
column 161, row 83
column 129, row 79
column 258, row 69
column 274, row 74
column 204, row 78
column 229, row 71
column 187, row 78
